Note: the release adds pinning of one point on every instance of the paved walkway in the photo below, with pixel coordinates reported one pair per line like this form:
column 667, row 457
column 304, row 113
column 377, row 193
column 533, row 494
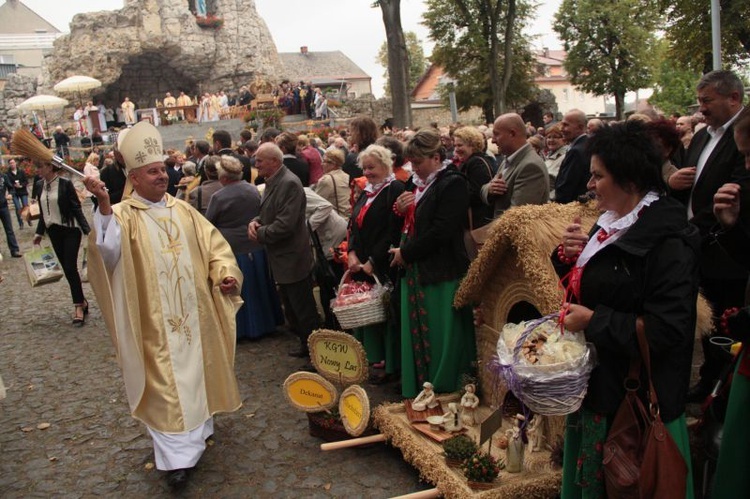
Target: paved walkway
column 68, row 378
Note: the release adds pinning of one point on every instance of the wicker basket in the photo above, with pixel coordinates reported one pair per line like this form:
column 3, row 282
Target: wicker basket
column 551, row 389
column 364, row 313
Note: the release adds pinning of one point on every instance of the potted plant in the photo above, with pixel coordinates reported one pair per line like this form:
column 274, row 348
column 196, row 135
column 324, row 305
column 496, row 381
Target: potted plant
column 457, row 449
column 481, row 470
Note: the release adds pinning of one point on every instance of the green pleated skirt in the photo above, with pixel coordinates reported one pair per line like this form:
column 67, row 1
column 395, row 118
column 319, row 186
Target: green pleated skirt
column 448, row 331
column 583, row 472
column 381, row 342
column 732, row 477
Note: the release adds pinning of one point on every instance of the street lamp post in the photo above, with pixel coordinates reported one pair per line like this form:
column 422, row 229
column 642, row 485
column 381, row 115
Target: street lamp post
column 716, row 33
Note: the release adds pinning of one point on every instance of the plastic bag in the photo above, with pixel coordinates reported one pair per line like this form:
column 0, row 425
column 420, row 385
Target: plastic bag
column 42, row 266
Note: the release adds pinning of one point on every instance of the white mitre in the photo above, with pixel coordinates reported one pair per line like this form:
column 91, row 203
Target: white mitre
column 141, row 146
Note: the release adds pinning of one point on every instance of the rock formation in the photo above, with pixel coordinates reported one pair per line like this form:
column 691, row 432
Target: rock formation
column 151, row 47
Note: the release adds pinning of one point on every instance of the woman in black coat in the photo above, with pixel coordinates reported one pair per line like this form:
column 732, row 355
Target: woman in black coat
column 374, row 229
column 639, row 264
column 63, row 220
column 470, row 159
column 437, row 340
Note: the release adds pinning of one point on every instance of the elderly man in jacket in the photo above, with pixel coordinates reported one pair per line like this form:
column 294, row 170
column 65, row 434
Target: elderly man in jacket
column 281, row 228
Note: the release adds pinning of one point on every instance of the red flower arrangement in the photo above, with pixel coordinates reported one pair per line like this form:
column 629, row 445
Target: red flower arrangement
column 210, row 21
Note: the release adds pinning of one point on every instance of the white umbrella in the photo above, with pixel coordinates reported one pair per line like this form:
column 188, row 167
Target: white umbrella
column 77, row 83
column 42, row 103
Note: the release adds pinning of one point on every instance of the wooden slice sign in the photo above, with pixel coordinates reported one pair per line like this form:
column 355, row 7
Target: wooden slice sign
column 310, row 392
column 354, row 407
column 338, row 356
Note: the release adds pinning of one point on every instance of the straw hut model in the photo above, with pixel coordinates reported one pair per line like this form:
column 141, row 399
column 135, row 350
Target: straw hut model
column 513, row 279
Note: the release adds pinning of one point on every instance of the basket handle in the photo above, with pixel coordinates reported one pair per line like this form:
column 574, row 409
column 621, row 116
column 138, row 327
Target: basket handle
column 348, row 277
column 527, row 331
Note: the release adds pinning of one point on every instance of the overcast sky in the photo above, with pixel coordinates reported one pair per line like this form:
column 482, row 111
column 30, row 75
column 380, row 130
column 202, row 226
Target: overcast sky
column 351, row 26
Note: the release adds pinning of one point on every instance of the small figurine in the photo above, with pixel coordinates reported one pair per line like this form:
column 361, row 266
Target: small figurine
column 452, row 418
column 469, row 404
column 426, row 398
column 535, row 434
column 514, row 452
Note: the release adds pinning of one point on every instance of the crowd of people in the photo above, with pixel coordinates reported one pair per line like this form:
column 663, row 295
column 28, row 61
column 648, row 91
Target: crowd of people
column 95, row 118
column 275, row 215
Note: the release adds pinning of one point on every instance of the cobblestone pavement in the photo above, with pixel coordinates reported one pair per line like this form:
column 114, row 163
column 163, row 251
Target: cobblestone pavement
column 68, row 377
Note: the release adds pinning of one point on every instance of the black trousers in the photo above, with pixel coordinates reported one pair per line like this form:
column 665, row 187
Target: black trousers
column 66, row 241
column 300, row 308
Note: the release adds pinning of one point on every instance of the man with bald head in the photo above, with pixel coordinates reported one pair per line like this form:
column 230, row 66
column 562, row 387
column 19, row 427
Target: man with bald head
column 574, row 170
column 282, row 229
column 522, row 178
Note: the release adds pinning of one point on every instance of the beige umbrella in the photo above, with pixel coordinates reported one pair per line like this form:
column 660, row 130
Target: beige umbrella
column 42, row 103
column 77, row 83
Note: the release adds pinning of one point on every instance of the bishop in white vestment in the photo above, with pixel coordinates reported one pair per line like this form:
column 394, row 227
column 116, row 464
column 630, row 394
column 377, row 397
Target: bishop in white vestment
column 168, row 286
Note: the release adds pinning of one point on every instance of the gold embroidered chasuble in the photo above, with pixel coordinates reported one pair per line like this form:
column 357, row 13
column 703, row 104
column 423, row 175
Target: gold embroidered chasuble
column 173, row 329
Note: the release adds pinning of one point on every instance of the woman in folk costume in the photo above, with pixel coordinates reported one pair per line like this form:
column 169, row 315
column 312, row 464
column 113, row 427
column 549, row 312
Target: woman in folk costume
column 374, row 228
column 437, row 340
column 167, row 283
column 732, row 479
column 637, row 266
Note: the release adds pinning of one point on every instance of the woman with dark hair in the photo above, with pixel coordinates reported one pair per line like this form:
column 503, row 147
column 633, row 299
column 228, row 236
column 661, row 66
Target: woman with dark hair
column 437, row 340
column 61, row 217
column 363, row 131
column 667, row 140
column 19, row 183
column 230, row 210
column 470, row 159
column 374, row 229
column 637, row 268
column 397, row 153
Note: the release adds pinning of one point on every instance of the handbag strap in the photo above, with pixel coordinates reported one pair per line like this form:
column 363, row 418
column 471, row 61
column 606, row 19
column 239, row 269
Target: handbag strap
column 640, row 330
column 335, row 192
column 487, row 164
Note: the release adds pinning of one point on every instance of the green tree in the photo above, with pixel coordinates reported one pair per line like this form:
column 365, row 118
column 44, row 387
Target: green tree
column 674, row 87
column 689, row 32
column 479, row 44
column 398, row 61
column 417, row 61
column 610, row 45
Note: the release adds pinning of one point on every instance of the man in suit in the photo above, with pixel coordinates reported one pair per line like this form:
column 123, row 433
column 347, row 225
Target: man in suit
column 223, row 146
column 201, row 151
column 574, row 170
column 287, row 142
column 522, row 178
column 174, row 172
column 713, row 160
column 281, row 228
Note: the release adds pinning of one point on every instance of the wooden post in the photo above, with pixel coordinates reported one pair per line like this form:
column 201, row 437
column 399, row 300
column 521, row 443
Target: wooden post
column 354, row 442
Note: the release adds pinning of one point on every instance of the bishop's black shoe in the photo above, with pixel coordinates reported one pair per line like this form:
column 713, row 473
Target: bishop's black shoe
column 177, row 479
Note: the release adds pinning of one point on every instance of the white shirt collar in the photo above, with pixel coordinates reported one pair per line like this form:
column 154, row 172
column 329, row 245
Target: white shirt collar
column 148, row 203
column 615, row 226
column 719, row 131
